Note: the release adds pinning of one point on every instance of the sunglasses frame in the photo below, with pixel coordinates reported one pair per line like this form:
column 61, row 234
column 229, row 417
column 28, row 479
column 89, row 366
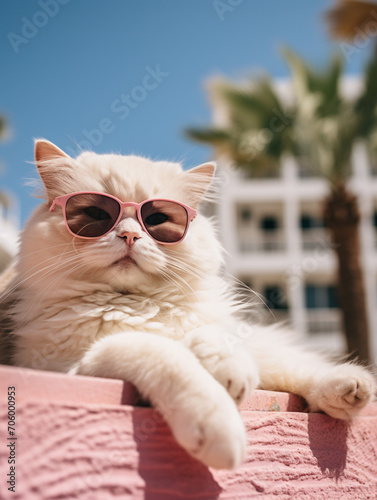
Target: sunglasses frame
column 62, row 202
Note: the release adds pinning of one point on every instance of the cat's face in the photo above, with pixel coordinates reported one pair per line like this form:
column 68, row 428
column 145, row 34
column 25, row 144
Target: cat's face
column 46, row 242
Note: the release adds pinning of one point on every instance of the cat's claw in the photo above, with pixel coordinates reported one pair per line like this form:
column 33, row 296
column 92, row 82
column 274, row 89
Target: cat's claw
column 210, row 429
column 238, row 375
column 233, row 367
column 344, row 392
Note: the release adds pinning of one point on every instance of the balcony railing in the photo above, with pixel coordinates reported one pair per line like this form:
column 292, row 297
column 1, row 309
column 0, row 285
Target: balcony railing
column 315, row 238
column 323, row 320
column 269, row 243
column 277, row 316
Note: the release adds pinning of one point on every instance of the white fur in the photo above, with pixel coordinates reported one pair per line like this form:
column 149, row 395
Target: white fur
column 169, row 323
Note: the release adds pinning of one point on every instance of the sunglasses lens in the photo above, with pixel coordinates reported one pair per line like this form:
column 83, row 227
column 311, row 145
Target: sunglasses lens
column 91, row 215
column 165, row 221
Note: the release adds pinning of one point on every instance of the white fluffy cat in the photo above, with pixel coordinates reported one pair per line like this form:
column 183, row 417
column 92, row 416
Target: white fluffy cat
column 160, row 316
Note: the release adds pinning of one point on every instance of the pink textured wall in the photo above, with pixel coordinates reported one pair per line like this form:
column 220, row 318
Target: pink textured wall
column 81, row 438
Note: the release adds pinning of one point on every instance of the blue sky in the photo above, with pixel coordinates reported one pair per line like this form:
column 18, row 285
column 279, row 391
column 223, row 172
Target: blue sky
column 128, row 74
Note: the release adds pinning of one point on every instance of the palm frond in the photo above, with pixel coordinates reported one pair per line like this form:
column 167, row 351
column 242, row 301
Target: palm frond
column 349, row 17
column 249, row 105
column 366, row 104
column 2, row 127
column 4, row 200
column 207, row 135
column 258, row 127
column 319, row 128
column 315, row 90
column 326, row 125
column 258, row 98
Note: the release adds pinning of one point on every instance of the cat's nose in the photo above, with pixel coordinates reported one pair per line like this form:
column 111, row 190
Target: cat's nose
column 130, row 238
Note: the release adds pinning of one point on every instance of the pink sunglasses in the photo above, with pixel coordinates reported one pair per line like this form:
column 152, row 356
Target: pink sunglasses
column 89, row 215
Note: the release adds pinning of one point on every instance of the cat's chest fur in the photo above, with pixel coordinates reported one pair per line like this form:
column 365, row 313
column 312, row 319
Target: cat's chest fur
column 101, row 313
column 60, row 334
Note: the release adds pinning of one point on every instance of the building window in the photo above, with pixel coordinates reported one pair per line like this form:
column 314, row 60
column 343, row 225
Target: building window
column 308, row 222
column 275, row 298
column 321, row 297
column 245, row 214
column 375, row 220
column 269, row 223
column 306, row 170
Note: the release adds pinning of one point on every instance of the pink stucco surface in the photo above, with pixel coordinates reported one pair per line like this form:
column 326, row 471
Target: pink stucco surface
column 83, row 438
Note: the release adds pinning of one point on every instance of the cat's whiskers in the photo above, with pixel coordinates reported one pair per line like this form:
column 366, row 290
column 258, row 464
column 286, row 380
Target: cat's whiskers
column 20, row 281
column 191, row 271
column 23, row 256
column 74, row 245
column 60, row 276
column 50, row 270
column 183, row 266
column 245, row 287
column 186, row 267
column 243, row 302
column 179, row 278
column 47, row 270
column 172, row 281
column 185, row 262
column 173, row 268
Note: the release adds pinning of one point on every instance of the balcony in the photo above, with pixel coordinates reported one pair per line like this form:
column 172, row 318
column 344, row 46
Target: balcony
column 315, row 239
column 277, row 316
column 323, row 320
column 267, row 243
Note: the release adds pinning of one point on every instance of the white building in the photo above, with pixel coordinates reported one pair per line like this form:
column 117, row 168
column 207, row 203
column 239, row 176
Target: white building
column 273, row 232
column 9, row 231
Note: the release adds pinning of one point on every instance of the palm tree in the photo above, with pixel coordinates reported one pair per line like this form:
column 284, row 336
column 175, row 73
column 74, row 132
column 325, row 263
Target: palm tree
column 4, row 202
column 320, row 129
column 352, row 18
column 252, row 113
column 2, row 127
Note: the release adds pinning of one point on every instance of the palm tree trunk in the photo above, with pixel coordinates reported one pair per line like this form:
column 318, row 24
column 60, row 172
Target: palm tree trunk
column 342, row 218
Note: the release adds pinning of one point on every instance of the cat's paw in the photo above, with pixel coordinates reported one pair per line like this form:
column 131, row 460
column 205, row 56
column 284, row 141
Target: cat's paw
column 238, row 374
column 210, row 428
column 344, row 391
column 231, row 365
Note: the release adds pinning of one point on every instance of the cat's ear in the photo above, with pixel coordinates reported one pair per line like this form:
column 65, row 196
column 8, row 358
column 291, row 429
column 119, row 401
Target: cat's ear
column 54, row 167
column 45, row 150
column 198, row 181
